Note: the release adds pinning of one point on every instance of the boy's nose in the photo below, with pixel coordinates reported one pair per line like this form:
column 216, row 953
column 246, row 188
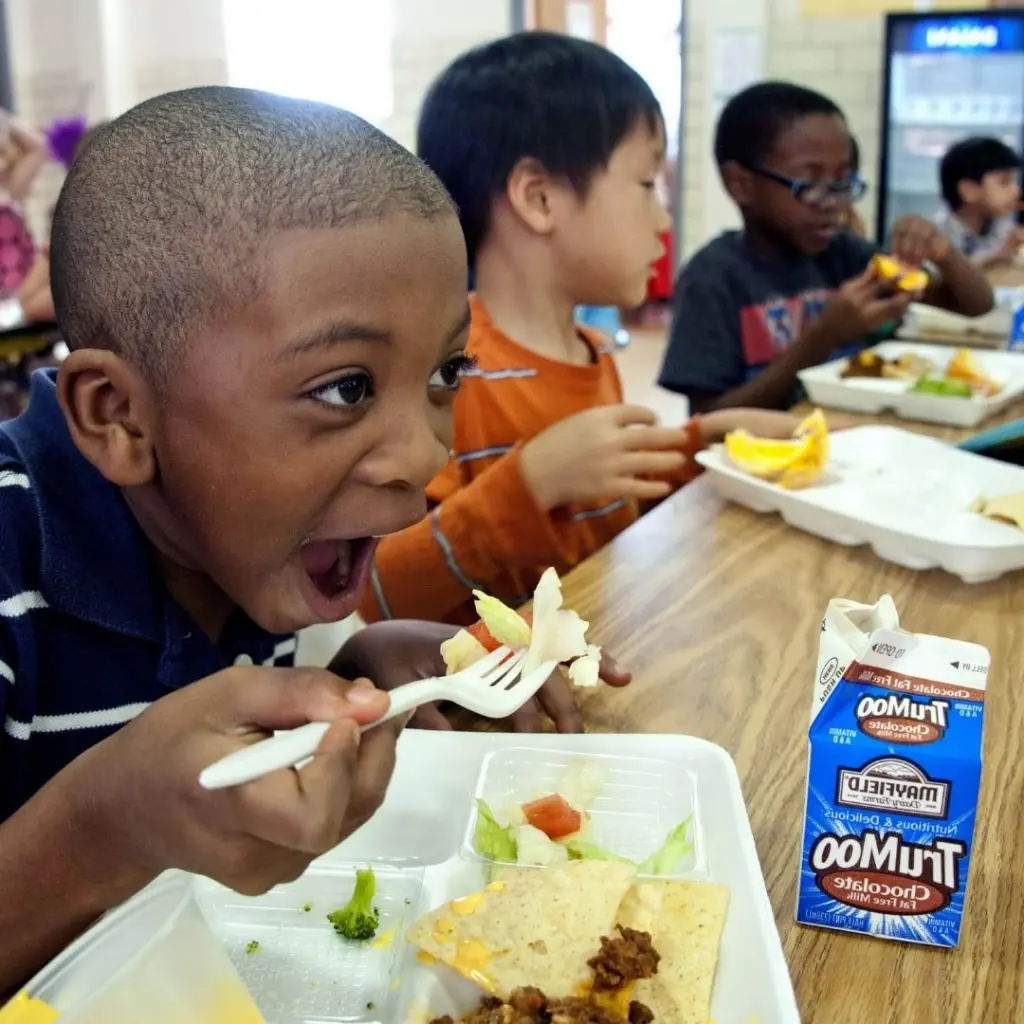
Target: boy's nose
column 411, row 457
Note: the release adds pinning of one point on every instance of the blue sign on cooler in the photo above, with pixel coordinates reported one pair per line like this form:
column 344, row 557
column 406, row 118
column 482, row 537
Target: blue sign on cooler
column 1016, row 342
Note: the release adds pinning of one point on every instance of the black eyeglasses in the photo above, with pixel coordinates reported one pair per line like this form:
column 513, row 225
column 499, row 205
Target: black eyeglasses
column 817, row 193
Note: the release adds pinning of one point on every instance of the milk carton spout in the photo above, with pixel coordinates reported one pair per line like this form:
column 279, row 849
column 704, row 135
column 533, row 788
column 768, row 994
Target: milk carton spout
column 894, row 770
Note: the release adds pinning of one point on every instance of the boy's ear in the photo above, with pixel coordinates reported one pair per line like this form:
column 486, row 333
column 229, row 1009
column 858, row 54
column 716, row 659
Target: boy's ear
column 108, row 409
column 969, row 191
column 529, row 193
column 738, row 182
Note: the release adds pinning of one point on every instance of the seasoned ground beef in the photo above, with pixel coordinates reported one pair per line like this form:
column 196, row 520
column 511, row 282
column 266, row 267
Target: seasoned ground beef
column 579, row 1011
column 530, row 1006
column 640, row 1014
column 627, row 958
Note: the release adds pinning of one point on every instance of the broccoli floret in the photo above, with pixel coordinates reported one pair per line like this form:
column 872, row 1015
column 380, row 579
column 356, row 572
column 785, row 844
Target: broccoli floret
column 251, row 947
column 358, row 919
column 307, row 907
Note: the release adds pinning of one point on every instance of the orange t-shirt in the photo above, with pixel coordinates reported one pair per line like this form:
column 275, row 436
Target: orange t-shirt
column 485, row 529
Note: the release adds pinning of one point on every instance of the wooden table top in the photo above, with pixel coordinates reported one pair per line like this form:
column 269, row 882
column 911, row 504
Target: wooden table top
column 716, row 610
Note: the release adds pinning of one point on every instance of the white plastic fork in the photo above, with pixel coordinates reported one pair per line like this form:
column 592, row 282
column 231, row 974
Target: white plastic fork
column 493, row 687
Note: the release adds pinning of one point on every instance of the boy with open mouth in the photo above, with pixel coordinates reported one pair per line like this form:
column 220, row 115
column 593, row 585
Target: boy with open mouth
column 266, row 308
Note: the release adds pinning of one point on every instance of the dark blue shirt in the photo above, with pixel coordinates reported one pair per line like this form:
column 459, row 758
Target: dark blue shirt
column 89, row 635
column 734, row 310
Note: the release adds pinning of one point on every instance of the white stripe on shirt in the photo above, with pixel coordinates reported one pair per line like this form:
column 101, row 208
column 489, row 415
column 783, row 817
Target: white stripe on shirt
column 6, row 672
column 281, row 649
column 13, row 607
column 483, row 453
column 509, row 374
column 8, row 478
column 596, row 513
column 75, row 721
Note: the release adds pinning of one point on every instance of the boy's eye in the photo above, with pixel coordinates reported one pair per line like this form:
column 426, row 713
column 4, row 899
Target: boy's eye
column 351, row 390
column 448, row 376
column 649, row 184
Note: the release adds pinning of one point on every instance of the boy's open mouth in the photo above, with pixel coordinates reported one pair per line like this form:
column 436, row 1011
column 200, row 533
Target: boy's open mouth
column 335, row 565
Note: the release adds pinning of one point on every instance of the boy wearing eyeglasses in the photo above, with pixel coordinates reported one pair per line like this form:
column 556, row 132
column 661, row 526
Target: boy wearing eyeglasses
column 793, row 288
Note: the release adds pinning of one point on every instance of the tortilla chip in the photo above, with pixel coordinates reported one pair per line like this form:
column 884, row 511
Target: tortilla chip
column 687, row 933
column 533, row 928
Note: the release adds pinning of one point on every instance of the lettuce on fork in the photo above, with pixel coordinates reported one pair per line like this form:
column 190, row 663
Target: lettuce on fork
column 557, row 634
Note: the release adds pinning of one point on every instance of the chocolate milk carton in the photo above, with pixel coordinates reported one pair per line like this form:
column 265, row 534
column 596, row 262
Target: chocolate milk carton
column 893, row 776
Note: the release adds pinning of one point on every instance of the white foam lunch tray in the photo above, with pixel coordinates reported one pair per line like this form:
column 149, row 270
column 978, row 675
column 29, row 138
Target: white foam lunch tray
column 826, row 386
column 302, row 974
column 906, row 495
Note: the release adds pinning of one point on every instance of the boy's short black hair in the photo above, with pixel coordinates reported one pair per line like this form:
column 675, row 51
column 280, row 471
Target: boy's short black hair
column 566, row 102
column 971, row 160
column 753, row 119
column 161, row 223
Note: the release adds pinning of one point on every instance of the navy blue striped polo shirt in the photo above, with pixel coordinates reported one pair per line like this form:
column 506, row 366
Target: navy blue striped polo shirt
column 89, row 635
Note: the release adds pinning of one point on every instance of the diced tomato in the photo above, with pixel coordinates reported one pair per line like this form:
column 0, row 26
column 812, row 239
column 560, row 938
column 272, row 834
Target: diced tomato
column 553, row 816
column 479, row 632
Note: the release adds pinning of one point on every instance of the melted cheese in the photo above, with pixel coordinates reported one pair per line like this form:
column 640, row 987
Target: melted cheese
column 472, row 959
column 614, row 1002
column 467, row 905
column 425, row 958
column 494, row 887
column 384, row 940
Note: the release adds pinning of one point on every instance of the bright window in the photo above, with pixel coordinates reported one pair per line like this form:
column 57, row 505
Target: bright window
column 335, row 51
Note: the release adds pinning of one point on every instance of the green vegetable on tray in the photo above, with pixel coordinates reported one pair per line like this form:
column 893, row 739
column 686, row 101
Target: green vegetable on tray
column 497, row 842
column 358, row 920
column 491, row 839
column 944, row 386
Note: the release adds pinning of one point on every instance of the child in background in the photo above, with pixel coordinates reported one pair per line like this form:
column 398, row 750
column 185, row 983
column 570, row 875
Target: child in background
column 792, row 289
column 23, row 155
column 980, row 181
column 551, row 148
column 65, row 138
column 250, row 399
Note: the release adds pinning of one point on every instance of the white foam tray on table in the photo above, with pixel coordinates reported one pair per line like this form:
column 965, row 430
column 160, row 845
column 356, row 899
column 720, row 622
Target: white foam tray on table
column 417, row 844
column 826, row 386
column 906, row 495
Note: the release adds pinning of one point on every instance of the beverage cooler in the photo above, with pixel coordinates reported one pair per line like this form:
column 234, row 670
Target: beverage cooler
column 947, row 76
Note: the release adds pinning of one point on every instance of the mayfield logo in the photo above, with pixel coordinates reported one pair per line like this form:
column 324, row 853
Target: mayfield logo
column 901, row 719
column 893, row 784
column 885, row 874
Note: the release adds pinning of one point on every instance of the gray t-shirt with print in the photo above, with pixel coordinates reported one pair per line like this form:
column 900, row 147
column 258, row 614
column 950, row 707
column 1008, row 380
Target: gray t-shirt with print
column 735, row 310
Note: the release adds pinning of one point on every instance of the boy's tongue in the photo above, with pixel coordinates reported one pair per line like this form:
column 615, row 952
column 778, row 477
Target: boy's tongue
column 323, row 557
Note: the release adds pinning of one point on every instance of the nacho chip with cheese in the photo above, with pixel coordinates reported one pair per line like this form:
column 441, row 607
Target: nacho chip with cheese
column 536, row 928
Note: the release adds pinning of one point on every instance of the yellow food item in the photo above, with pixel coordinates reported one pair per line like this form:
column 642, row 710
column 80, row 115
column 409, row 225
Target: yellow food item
column 24, row 1009
column 908, row 279
column 793, row 464
column 965, row 366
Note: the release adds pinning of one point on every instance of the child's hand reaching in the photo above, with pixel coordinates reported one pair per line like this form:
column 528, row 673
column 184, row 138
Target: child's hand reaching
column 599, row 454
column 857, row 309
column 916, row 239
column 759, row 422
column 394, row 653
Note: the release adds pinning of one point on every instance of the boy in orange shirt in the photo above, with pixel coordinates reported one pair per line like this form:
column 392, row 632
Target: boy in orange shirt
column 552, row 148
